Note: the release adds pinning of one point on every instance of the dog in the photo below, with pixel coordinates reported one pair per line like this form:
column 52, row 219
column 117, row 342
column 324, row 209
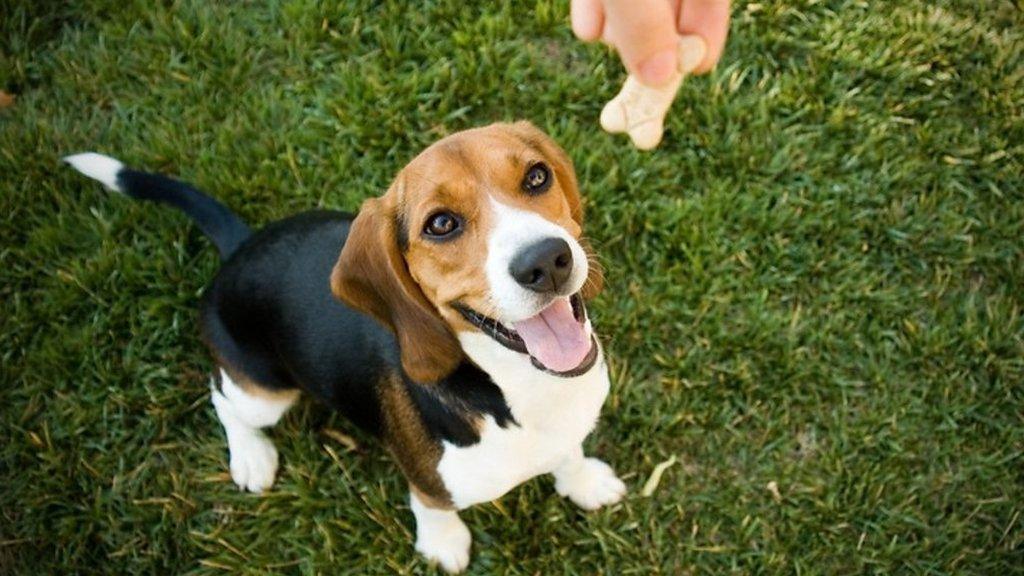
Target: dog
column 447, row 318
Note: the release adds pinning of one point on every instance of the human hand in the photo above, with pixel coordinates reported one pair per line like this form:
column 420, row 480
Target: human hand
column 646, row 32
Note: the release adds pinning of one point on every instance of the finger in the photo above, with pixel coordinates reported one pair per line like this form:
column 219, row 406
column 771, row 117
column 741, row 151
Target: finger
column 644, row 33
column 587, row 18
column 709, row 19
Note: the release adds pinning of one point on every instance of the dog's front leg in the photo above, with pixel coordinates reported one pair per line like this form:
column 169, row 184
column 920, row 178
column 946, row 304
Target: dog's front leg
column 441, row 536
column 588, row 482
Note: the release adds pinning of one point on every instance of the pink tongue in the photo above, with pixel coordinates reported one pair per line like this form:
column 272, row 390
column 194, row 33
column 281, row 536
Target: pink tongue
column 554, row 337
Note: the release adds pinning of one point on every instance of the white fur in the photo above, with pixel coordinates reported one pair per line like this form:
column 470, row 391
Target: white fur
column 253, row 458
column 554, row 416
column 98, row 167
column 441, row 536
column 514, row 230
column 588, row 482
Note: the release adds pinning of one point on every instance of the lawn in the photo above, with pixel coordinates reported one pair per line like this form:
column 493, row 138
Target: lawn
column 817, row 281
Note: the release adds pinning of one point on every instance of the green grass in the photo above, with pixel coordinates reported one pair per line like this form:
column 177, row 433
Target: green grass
column 817, row 280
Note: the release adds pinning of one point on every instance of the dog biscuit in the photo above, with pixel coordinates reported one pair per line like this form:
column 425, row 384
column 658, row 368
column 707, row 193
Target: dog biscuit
column 639, row 110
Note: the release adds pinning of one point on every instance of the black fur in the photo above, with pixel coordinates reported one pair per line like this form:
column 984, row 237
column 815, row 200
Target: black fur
column 269, row 315
column 224, row 229
column 402, row 233
column 447, row 407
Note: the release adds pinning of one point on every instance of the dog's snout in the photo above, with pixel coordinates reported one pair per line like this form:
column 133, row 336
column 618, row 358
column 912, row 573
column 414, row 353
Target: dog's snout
column 544, row 266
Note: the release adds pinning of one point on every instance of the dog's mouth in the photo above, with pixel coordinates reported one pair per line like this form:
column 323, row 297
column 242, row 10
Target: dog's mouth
column 556, row 338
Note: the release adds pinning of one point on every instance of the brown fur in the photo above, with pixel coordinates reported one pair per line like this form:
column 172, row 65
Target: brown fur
column 565, row 174
column 429, row 501
column 410, row 283
column 252, row 387
column 407, row 439
column 372, row 276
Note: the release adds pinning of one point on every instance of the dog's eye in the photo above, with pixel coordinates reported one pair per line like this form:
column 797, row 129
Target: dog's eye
column 537, row 179
column 441, row 224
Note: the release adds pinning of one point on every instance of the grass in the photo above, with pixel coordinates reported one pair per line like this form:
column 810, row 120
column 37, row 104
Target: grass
column 816, row 281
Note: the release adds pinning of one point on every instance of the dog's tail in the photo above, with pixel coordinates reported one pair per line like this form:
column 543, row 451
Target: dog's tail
column 223, row 227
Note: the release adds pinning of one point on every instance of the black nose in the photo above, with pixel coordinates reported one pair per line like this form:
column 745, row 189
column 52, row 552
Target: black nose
column 544, row 266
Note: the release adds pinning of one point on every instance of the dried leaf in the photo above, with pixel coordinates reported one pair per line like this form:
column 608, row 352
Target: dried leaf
column 652, row 482
column 341, row 438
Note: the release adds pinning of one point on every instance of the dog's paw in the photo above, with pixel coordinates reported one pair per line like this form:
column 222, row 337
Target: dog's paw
column 253, row 461
column 591, row 485
column 445, row 543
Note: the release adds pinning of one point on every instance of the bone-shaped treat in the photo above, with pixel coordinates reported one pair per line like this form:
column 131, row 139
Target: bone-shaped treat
column 640, row 110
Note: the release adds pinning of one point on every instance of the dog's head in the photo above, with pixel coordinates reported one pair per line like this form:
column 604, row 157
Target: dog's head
column 480, row 232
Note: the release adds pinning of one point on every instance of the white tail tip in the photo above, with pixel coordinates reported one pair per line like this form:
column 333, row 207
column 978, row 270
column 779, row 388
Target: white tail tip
column 98, row 167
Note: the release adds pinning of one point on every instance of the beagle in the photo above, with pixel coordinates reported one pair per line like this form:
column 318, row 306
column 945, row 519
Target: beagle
column 447, row 318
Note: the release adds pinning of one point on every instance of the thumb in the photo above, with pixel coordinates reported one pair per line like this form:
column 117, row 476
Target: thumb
column 644, row 33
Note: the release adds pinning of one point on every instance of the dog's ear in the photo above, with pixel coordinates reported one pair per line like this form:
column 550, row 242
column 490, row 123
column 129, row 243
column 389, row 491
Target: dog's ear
column 371, row 276
column 565, row 174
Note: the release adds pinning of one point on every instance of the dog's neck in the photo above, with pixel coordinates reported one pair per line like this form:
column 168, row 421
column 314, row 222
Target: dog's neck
column 530, row 392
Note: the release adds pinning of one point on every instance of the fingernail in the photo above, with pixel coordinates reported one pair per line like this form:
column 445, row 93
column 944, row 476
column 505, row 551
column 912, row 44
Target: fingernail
column 659, row 68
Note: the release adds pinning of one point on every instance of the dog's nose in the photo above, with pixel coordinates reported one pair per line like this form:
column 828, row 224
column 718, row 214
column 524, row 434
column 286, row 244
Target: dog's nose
column 543, row 266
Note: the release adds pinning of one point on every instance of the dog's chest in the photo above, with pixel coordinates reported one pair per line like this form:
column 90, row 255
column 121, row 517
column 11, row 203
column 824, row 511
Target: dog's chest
column 553, row 416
